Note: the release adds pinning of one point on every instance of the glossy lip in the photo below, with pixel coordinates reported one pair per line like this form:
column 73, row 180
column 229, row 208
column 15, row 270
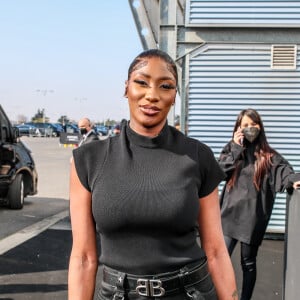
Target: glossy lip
column 149, row 110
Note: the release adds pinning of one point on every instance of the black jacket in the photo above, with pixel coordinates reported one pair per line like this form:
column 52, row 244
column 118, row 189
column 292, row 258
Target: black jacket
column 245, row 211
column 89, row 137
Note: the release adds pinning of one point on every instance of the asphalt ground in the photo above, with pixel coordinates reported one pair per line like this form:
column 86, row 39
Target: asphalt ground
column 37, row 268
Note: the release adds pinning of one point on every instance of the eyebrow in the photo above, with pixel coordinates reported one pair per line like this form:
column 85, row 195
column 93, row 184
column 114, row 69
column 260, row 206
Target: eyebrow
column 161, row 78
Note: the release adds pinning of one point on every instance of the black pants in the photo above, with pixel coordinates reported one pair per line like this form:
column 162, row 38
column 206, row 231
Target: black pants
column 248, row 263
column 200, row 290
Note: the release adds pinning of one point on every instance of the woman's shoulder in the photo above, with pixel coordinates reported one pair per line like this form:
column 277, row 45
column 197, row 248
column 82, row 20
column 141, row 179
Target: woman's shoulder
column 189, row 144
column 92, row 148
column 231, row 146
column 277, row 158
column 180, row 137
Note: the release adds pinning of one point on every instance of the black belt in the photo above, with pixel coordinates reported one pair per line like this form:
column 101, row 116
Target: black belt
column 157, row 285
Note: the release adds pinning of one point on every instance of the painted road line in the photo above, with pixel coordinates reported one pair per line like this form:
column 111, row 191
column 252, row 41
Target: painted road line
column 29, row 232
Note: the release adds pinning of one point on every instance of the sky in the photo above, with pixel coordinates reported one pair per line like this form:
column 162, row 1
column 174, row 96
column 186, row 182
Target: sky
column 69, row 57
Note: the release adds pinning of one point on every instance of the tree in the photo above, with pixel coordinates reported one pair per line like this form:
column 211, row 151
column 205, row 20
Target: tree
column 40, row 116
column 109, row 122
column 21, row 119
column 63, row 120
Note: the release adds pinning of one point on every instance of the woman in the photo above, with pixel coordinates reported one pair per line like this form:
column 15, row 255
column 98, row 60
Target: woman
column 255, row 172
column 147, row 190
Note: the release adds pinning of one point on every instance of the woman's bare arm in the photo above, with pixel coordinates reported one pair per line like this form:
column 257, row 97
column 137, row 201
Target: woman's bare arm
column 212, row 241
column 83, row 260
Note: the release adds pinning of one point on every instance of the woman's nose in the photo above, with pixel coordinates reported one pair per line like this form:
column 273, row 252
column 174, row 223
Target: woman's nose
column 152, row 94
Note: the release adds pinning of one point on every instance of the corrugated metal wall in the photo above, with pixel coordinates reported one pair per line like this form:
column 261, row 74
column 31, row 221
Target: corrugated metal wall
column 244, row 12
column 223, row 80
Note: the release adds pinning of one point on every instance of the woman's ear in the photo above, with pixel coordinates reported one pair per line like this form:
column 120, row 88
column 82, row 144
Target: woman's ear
column 126, row 88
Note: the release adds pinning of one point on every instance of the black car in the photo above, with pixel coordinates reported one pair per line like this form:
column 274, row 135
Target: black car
column 18, row 175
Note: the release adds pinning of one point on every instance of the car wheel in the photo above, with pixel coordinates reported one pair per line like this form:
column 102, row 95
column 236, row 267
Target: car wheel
column 16, row 193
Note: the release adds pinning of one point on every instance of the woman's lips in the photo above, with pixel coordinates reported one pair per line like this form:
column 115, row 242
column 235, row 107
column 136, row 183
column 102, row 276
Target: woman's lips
column 149, row 110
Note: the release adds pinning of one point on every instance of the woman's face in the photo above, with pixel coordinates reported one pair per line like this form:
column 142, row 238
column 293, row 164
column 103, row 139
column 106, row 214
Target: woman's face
column 151, row 90
column 248, row 122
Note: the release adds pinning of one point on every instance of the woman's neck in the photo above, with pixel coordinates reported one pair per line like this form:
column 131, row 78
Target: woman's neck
column 146, row 131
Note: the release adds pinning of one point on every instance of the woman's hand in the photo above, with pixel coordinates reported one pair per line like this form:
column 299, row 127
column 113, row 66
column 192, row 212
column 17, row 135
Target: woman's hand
column 238, row 137
column 296, row 185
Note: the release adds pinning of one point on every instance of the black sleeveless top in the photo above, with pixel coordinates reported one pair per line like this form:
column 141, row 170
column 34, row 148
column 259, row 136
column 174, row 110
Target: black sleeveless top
column 145, row 197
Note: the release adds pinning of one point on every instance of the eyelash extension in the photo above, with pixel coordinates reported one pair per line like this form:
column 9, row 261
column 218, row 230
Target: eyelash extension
column 169, row 87
column 140, row 81
column 165, row 86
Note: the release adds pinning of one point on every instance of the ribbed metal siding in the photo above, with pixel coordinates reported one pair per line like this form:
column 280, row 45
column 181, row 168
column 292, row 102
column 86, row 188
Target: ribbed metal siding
column 223, row 80
column 243, row 13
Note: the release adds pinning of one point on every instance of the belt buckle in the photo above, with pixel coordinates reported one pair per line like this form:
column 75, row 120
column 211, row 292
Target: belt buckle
column 150, row 287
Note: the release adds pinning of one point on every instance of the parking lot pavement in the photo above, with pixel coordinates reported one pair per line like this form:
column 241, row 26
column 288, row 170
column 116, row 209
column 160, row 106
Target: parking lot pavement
column 37, row 269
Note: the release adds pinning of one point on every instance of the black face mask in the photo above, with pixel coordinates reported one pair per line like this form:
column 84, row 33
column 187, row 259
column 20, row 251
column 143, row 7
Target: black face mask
column 251, row 133
column 83, row 131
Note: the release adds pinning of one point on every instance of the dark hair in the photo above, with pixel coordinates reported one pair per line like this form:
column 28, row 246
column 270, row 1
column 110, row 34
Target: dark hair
column 154, row 53
column 263, row 152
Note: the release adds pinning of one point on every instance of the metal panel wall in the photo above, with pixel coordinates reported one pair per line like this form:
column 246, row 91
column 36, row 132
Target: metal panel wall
column 223, row 80
column 243, row 13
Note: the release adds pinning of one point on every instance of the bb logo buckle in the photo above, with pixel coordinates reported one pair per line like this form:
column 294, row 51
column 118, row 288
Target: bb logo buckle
column 150, row 288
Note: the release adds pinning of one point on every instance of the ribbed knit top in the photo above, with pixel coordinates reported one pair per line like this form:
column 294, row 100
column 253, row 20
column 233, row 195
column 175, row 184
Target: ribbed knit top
column 145, row 197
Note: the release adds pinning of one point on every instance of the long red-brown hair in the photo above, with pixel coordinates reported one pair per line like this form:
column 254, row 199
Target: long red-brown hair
column 263, row 152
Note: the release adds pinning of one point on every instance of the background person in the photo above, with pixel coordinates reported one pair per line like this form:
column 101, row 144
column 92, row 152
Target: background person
column 255, row 173
column 150, row 190
column 87, row 132
column 116, row 130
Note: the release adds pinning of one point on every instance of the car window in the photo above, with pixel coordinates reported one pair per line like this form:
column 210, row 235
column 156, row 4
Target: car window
column 4, row 126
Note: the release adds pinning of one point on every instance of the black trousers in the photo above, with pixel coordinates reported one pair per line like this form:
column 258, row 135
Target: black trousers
column 200, row 290
column 248, row 263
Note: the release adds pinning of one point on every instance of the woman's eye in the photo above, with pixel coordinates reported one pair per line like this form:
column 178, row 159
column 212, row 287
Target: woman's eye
column 168, row 86
column 141, row 82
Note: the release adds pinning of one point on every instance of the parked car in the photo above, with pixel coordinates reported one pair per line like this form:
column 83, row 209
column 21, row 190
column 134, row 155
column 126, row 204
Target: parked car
column 28, row 130
column 101, row 129
column 56, row 129
column 18, row 175
column 59, row 126
column 71, row 128
column 46, row 129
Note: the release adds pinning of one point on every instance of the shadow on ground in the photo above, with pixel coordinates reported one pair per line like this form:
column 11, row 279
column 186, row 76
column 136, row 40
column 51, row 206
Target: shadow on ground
column 49, row 251
column 37, row 268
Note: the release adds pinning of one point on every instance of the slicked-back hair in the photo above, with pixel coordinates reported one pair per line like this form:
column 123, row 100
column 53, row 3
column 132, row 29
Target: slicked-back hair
column 154, row 53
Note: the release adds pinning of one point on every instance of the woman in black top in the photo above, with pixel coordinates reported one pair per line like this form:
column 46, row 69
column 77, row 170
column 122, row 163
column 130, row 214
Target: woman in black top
column 255, row 173
column 148, row 192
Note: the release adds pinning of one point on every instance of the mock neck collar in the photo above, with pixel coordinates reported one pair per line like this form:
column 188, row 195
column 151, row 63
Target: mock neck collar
column 146, row 141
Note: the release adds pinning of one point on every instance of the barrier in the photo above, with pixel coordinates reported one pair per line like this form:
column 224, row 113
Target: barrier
column 291, row 284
